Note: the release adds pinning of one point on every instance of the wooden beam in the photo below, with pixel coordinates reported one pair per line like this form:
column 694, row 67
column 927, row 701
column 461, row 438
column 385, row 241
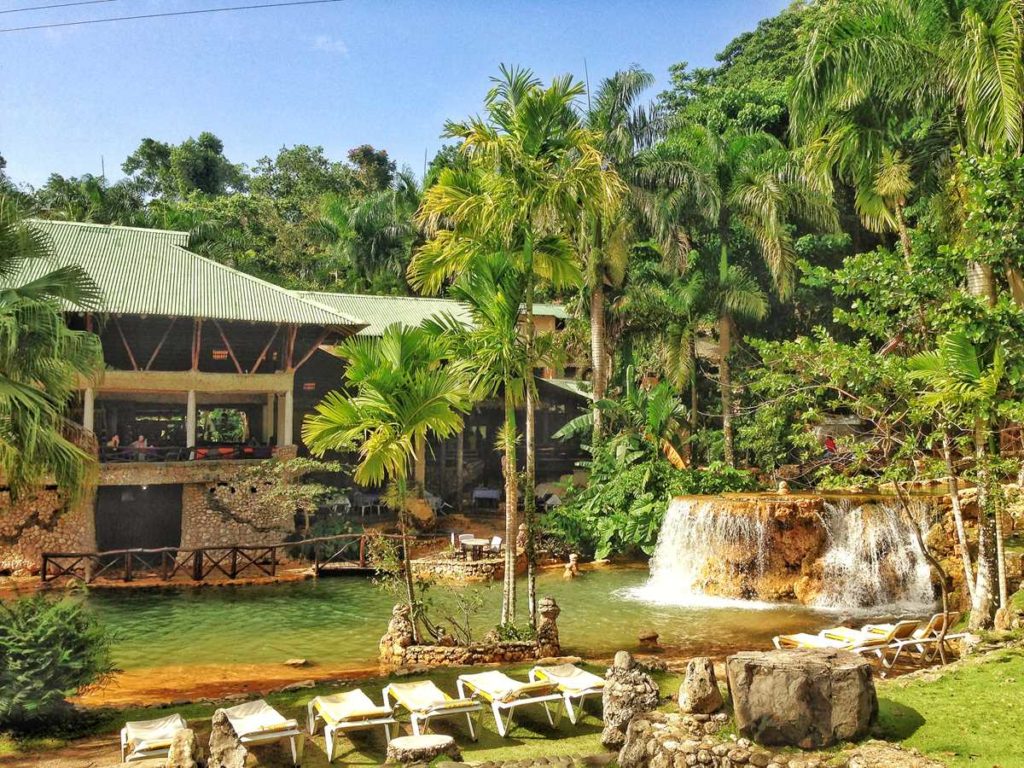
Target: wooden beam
column 197, row 339
column 266, row 349
column 316, row 345
column 231, row 352
column 289, row 347
column 159, row 345
column 127, row 348
column 202, row 382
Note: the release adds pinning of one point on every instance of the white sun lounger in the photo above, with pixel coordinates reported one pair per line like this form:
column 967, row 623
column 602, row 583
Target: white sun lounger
column 920, row 640
column 424, row 702
column 348, row 711
column 505, row 695
column 574, row 683
column 149, row 738
column 855, row 640
column 256, row 722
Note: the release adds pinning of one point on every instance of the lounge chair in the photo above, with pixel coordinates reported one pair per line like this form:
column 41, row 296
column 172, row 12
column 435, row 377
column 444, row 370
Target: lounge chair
column 923, row 637
column 424, row 702
column 506, row 695
column 855, row 640
column 574, row 683
column 494, row 548
column 349, row 711
column 143, row 739
column 256, row 722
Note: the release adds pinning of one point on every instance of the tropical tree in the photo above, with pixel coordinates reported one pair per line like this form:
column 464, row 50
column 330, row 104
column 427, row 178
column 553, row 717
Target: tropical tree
column 963, row 384
column 751, row 192
column 957, row 63
column 400, row 389
column 41, row 359
column 533, row 166
column 493, row 291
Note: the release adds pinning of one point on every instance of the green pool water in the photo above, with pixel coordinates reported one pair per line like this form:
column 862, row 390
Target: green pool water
column 337, row 621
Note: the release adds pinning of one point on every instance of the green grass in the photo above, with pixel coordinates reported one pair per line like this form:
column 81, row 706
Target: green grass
column 531, row 738
column 971, row 716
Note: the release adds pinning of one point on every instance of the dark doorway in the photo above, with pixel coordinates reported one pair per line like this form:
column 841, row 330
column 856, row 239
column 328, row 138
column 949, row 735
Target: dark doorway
column 138, row 517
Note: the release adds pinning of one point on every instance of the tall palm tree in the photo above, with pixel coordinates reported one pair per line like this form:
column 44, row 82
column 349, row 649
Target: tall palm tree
column 962, row 385
column 533, row 166
column 958, row 63
column 41, row 359
column 400, row 389
column 493, row 291
column 749, row 189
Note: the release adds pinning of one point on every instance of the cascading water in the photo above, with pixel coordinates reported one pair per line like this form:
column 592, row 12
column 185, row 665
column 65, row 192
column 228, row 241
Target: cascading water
column 835, row 555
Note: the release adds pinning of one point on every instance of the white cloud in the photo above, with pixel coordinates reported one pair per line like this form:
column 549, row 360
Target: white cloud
column 330, row 44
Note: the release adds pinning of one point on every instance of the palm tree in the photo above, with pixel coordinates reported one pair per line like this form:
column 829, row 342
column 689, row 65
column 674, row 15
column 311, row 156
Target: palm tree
column 533, row 167
column 962, row 385
column 402, row 388
column 41, row 359
column 493, row 291
column 750, row 189
column 955, row 63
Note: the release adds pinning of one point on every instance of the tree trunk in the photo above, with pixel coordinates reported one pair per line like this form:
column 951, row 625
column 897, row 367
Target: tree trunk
column 1016, row 282
column 725, row 382
column 508, row 603
column 981, row 282
column 530, row 475
column 410, row 587
column 958, row 516
column 694, row 400
column 420, row 479
column 597, row 351
column 982, row 608
column 460, row 468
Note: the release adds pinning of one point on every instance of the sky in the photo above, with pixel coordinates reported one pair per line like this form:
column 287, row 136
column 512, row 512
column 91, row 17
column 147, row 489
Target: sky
column 383, row 72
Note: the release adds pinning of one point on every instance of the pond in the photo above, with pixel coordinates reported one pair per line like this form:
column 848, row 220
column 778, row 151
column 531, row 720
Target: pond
column 336, row 622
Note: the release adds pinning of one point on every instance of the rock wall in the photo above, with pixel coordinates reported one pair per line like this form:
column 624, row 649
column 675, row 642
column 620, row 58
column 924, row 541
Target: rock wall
column 446, row 569
column 42, row 522
column 231, row 512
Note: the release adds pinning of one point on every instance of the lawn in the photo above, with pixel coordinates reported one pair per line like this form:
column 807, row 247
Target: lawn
column 971, row 716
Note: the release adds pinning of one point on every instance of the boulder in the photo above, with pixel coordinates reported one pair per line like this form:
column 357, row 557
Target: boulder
column 184, row 751
column 422, row 749
column 699, row 693
column 648, row 639
column 628, row 692
column 804, row 698
column 226, row 751
column 548, row 642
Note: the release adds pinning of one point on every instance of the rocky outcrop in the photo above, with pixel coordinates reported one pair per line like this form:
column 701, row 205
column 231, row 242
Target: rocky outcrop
column 42, row 521
column 185, row 751
column 398, row 650
column 226, row 751
column 421, row 749
column 699, row 693
column 806, row 698
column 628, row 692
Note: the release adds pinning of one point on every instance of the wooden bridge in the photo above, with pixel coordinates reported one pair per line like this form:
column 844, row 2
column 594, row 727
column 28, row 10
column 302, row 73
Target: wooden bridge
column 342, row 553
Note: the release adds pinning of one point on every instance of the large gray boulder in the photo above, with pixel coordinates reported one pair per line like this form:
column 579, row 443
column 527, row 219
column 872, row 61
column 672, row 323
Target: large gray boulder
column 628, row 692
column 803, row 698
column 226, row 751
column 699, row 694
column 406, row 750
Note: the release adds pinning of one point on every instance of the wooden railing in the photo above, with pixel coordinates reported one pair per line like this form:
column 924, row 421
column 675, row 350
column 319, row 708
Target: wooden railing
column 343, row 551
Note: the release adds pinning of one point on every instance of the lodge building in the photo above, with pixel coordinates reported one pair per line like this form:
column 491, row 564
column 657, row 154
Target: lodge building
column 209, row 371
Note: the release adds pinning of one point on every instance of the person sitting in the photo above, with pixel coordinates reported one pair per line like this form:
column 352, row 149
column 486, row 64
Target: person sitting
column 140, row 442
column 115, row 441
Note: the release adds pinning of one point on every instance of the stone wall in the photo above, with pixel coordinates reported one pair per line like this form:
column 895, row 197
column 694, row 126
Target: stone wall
column 446, row 569
column 42, row 522
column 230, row 512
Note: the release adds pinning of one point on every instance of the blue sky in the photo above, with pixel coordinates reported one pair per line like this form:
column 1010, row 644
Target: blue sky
column 387, row 73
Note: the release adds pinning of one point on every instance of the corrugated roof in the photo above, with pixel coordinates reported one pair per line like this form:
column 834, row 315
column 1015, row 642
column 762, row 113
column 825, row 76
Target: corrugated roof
column 381, row 311
column 151, row 272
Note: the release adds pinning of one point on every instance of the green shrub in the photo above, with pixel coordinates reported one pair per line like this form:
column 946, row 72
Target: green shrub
column 50, row 649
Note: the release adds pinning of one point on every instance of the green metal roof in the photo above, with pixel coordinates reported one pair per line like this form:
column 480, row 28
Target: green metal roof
column 381, row 311
column 151, row 272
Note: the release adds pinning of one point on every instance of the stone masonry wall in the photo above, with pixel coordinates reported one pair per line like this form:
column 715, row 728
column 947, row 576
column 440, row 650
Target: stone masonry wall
column 42, row 522
column 231, row 512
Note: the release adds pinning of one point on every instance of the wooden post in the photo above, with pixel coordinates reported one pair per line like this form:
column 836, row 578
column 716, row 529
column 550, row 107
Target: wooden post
column 190, row 420
column 234, row 562
column 362, row 551
column 460, row 476
column 197, row 565
column 128, row 565
column 273, row 561
column 165, row 568
column 89, row 410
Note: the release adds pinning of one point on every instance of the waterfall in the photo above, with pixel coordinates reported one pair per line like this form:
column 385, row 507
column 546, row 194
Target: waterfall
column 714, row 551
column 873, row 558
